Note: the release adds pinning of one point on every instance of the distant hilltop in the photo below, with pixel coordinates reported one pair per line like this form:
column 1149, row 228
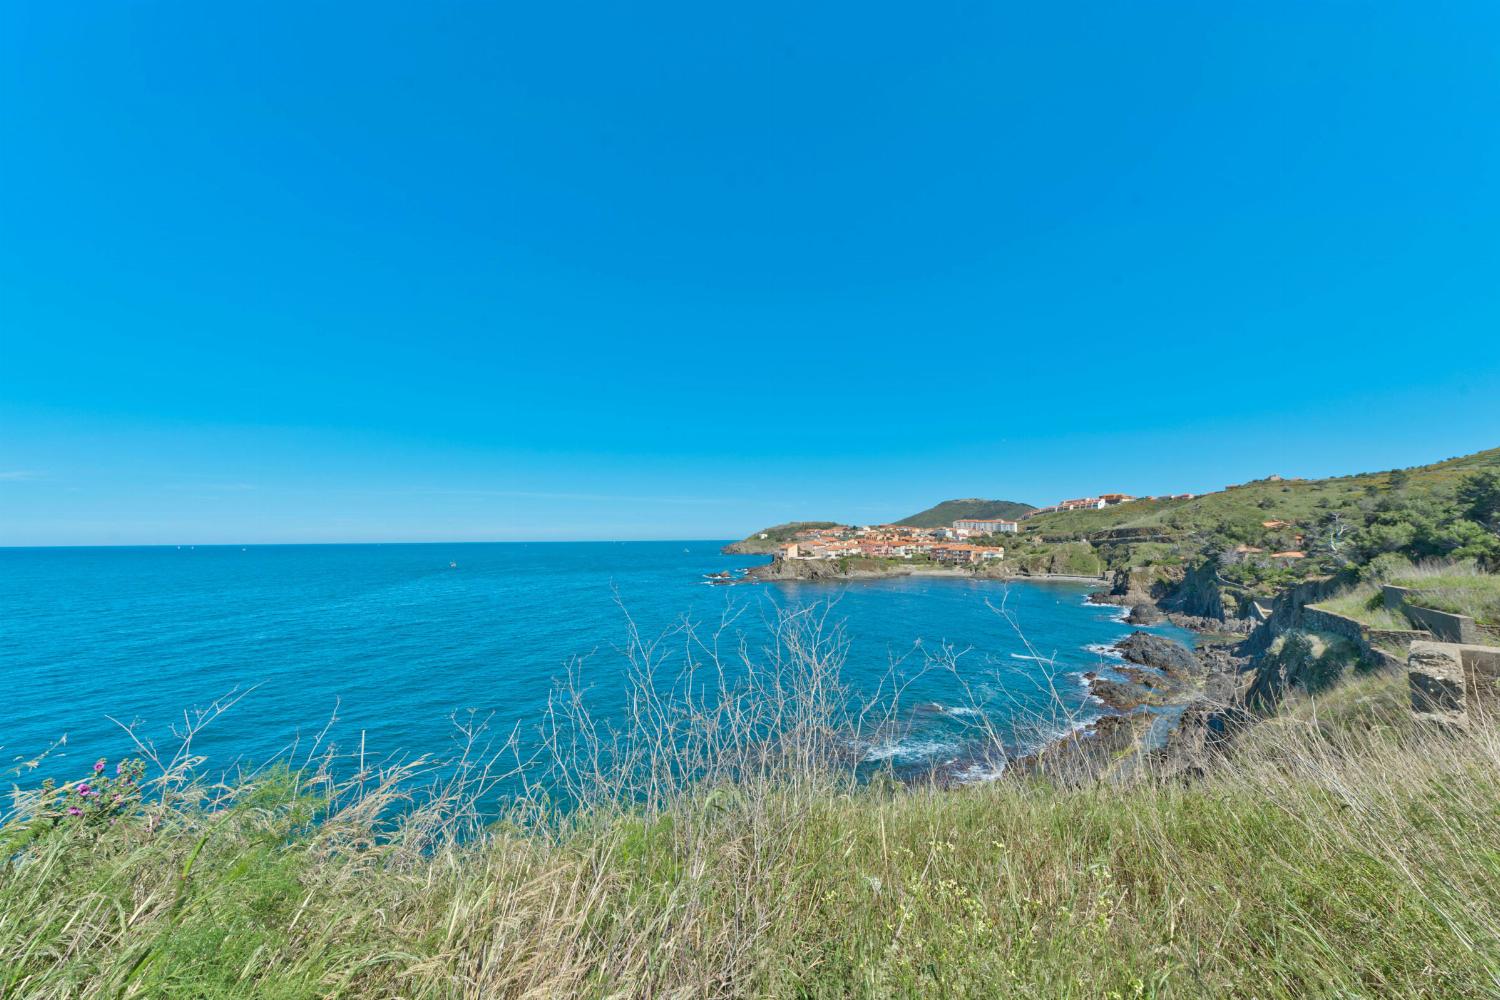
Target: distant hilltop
column 949, row 511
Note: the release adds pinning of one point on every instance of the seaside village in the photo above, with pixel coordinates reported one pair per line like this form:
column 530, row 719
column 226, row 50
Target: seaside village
column 949, row 544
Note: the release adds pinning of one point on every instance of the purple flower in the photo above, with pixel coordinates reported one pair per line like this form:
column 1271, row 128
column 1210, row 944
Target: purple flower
column 99, row 766
column 74, row 811
column 84, row 790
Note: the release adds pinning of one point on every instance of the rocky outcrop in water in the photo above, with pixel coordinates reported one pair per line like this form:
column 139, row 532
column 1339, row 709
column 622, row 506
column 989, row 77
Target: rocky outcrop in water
column 1167, row 655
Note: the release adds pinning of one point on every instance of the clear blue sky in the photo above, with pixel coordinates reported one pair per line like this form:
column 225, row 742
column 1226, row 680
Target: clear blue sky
column 308, row 272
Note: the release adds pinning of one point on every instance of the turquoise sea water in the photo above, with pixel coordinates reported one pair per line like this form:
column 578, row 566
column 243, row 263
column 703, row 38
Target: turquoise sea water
column 400, row 637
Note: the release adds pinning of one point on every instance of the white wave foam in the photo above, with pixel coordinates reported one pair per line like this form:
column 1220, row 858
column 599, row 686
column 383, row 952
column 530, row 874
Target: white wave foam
column 1105, row 649
column 909, row 751
column 979, row 772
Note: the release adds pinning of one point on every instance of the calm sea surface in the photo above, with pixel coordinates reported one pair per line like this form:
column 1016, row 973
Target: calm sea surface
column 400, row 640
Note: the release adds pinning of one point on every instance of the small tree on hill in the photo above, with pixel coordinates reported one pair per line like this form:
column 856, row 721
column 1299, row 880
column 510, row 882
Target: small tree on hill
column 1337, row 528
column 1479, row 495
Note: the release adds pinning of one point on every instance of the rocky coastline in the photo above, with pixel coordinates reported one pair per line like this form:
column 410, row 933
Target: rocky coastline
column 835, row 571
column 1166, row 707
column 1164, row 703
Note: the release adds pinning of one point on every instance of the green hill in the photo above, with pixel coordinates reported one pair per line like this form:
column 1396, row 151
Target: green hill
column 1241, row 511
column 1207, row 555
column 770, row 539
column 952, row 510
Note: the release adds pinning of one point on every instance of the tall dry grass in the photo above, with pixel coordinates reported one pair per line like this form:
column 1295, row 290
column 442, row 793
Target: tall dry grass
column 721, row 846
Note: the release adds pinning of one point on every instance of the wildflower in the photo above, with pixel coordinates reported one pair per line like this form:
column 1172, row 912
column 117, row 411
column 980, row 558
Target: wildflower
column 74, row 811
column 99, row 766
column 85, row 791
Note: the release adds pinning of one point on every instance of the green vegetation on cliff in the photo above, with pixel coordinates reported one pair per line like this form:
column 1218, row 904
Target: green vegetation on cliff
column 949, row 511
column 1458, row 589
column 1311, row 506
column 1365, row 604
column 1063, row 558
column 1237, row 536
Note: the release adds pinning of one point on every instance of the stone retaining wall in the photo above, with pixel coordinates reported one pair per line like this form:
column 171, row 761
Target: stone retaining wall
column 1394, row 597
column 1287, row 611
column 1444, row 626
column 1315, row 619
column 1396, row 637
column 1455, row 684
column 1320, row 620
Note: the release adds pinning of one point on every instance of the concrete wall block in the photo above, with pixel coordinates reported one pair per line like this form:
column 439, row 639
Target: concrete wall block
column 1444, row 626
column 1481, row 667
column 1435, row 677
column 1393, row 596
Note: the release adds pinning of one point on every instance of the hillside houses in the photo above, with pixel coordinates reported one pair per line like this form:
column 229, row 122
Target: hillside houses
column 893, row 541
column 969, row 526
column 953, row 544
column 1085, row 503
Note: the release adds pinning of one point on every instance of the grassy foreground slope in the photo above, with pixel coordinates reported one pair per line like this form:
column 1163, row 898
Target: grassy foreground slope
column 1341, row 853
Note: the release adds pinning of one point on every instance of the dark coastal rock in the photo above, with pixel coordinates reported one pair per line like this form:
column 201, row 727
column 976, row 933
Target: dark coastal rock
column 1167, row 655
column 1084, row 756
column 1152, row 680
column 1307, row 661
column 1141, row 686
column 1120, row 696
column 1143, row 614
column 1205, row 688
column 1199, row 592
column 1197, row 740
column 1215, row 626
column 805, row 569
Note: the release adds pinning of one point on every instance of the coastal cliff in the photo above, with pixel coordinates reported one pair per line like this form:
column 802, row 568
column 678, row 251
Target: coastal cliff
column 863, row 568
